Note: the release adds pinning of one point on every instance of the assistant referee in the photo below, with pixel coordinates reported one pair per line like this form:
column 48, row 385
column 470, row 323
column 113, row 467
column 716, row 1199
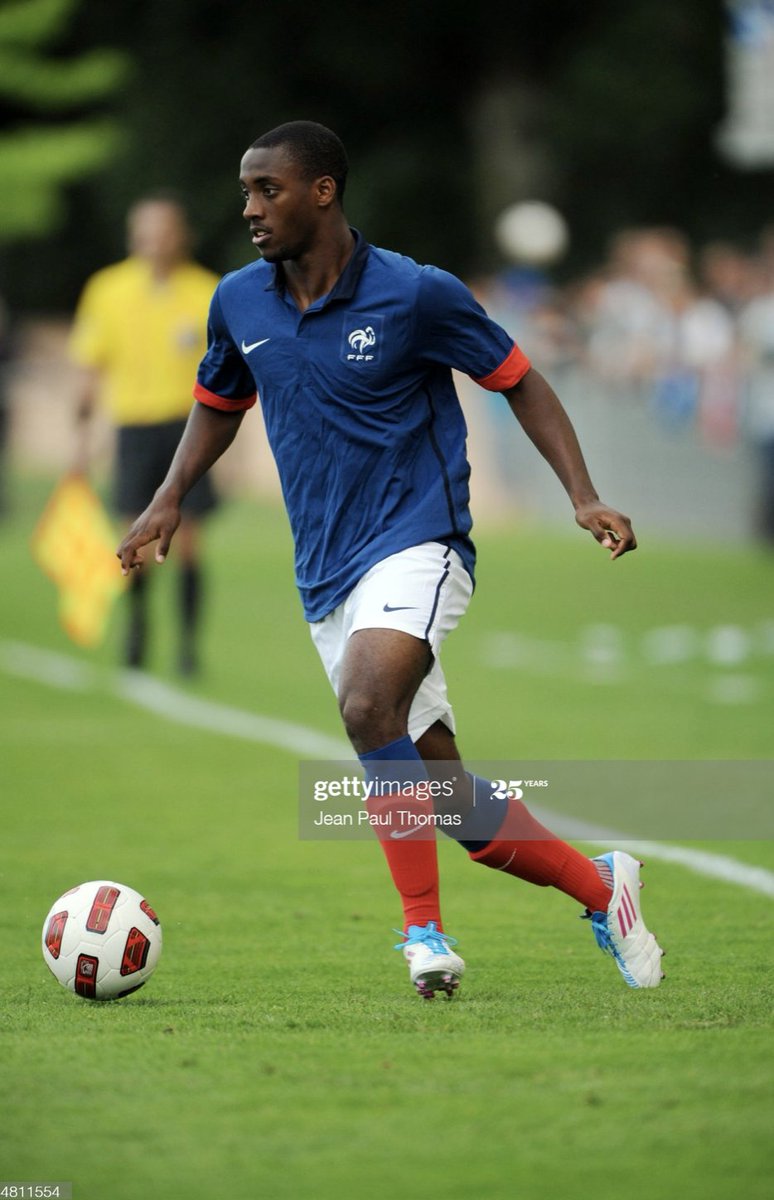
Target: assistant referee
column 139, row 334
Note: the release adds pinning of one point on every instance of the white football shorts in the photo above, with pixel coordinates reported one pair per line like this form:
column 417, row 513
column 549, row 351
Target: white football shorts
column 422, row 591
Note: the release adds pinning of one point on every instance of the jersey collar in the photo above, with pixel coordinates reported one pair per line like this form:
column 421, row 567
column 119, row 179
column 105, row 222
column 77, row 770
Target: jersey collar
column 345, row 285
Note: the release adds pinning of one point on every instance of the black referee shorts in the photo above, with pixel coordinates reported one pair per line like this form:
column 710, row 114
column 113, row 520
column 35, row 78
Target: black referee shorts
column 143, row 455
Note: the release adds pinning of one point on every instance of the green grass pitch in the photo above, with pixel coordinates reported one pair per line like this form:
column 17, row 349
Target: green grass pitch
column 278, row 1051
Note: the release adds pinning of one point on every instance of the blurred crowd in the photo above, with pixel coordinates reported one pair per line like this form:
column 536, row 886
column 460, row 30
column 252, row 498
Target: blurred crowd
column 689, row 335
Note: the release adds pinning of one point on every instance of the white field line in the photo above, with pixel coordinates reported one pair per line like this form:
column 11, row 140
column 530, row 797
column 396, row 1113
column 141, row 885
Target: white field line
column 174, row 705
column 702, row 862
column 62, row 671
column 145, row 691
column 728, row 657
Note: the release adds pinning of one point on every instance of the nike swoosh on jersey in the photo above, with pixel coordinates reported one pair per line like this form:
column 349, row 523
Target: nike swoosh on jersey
column 253, row 345
column 398, row 607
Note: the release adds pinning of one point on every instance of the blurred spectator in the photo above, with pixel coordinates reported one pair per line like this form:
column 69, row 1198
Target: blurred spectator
column 654, row 336
column 729, row 276
column 756, row 333
column 627, row 325
column 553, row 336
column 140, row 332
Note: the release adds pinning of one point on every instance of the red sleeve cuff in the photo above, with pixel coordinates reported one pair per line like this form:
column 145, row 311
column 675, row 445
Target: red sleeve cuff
column 509, row 372
column 225, row 405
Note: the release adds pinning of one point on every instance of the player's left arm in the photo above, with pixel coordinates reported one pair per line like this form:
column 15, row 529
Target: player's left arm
column 545, row 421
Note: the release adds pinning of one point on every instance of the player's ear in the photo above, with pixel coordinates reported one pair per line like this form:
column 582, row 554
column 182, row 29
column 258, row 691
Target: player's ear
column 326, row 191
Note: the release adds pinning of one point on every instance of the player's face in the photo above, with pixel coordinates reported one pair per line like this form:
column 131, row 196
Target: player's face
column 284, row 209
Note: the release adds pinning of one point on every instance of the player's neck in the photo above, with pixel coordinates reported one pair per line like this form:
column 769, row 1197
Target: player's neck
column 314, row 273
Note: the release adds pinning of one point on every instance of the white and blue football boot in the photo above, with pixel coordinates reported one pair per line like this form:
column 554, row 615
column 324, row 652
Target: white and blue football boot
column 433, row 965
column 621, row 931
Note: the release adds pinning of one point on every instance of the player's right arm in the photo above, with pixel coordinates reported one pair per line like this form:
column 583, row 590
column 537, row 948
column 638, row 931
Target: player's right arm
column 208, row 433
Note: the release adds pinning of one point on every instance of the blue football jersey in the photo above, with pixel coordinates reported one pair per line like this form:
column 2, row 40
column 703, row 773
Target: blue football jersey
column 359, row 405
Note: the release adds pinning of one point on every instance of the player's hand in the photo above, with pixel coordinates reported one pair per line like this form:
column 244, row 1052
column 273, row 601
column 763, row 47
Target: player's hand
column 611, row 529
column 158, row 523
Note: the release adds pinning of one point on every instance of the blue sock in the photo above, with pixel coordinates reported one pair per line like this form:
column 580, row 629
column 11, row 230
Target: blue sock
column 410, row 767
column 482, row 823
column 484, row 820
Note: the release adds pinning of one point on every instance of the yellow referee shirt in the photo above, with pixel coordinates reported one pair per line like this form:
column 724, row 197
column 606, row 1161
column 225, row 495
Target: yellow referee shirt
column 146, row 336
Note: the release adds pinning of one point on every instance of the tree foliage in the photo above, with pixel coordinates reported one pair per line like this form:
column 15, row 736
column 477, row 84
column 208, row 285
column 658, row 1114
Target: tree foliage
column 448, row 110
column 50, row 140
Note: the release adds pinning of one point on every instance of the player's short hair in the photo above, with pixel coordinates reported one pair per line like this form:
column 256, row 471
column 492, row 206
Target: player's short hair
column 314, row 149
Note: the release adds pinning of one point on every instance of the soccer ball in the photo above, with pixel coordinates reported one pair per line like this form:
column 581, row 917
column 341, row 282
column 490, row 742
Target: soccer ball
column 101, row 940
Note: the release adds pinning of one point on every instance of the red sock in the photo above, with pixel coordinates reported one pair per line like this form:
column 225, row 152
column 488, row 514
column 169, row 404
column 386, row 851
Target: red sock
column 525, row 848
column 413, row 860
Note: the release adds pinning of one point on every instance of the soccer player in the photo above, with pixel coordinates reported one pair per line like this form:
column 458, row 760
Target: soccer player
column 351, row 348
column 138, row 337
